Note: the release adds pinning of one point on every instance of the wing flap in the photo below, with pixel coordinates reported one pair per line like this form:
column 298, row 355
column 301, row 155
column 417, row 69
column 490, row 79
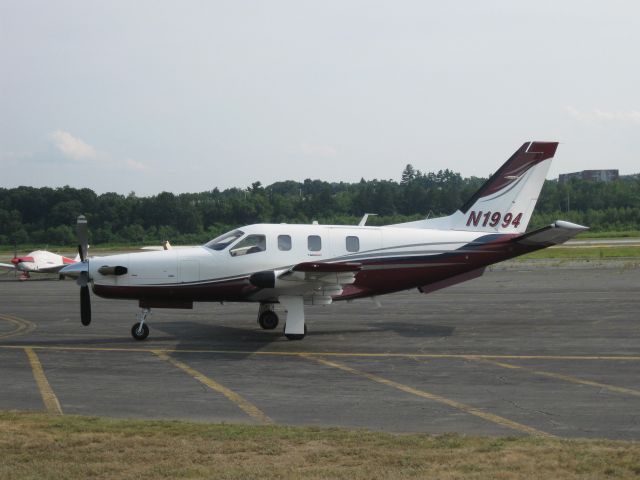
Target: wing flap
column 320, row 267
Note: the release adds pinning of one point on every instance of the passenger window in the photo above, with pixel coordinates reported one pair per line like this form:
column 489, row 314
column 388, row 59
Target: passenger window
column 314, row 242
column 353, row 244
column 284, row 242
column 251, row 244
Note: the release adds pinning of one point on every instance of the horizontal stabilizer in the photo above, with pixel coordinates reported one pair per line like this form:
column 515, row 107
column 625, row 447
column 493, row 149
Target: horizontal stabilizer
column 554, row 234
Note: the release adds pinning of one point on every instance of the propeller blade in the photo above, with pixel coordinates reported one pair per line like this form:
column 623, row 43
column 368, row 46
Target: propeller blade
column 83, row 237
column 82, row 270
column 85, row 306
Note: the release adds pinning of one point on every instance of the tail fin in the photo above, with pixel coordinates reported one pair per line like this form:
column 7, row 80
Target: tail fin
column 504, row 204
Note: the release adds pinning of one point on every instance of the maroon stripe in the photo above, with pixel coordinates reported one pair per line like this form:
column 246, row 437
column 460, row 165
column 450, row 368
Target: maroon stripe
column 527, row 156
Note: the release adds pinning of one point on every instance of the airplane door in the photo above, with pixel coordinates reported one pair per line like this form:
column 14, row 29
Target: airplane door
column 189, row 271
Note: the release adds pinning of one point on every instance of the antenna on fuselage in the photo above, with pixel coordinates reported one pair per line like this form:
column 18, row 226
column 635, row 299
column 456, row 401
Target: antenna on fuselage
column 364, row 219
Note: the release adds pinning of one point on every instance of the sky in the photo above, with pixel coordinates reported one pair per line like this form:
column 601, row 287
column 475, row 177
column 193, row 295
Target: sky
column 186, row 96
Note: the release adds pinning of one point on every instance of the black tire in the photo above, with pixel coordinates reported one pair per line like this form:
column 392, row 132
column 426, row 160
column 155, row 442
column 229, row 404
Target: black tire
column 295, row 336
column 139, row 335
column 268, row 320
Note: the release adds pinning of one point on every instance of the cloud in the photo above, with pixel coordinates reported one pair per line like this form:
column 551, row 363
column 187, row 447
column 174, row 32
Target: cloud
column 72, row 147
column 76, row 149
column 597, row 115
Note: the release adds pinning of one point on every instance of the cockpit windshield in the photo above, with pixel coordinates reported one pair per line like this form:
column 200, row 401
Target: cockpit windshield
column 223, row 241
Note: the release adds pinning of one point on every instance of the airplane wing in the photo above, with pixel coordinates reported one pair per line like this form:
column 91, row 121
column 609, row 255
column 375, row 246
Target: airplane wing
column 554, row 234
column 52, row 269
column 315, row 269
column 317, row 282
column 7, row 265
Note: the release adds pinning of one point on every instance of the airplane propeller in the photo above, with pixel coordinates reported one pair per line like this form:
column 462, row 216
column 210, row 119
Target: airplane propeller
column 83, row 277
column 15, row 260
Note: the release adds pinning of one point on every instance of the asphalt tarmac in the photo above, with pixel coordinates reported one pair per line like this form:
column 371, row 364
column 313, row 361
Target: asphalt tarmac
column 528, row 349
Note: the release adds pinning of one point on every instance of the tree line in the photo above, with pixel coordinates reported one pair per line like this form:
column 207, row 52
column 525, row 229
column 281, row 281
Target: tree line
column 46, row 216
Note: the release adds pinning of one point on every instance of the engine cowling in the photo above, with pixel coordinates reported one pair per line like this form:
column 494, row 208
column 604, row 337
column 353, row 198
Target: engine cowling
column 266, row 279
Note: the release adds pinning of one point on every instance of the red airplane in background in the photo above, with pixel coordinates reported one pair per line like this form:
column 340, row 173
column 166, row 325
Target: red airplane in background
column 39, row 261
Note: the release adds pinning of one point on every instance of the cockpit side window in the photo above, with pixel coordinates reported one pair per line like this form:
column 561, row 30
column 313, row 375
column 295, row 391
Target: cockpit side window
column 248, row 245
column 224, row 240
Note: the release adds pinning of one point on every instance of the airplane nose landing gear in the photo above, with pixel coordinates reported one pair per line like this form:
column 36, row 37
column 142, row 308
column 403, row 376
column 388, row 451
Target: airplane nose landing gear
column 140, row 330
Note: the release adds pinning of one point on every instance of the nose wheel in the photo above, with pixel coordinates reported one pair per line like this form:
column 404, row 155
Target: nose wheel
column 140, row 330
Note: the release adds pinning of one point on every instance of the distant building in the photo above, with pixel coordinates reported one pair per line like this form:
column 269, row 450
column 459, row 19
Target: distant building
column 592, row 175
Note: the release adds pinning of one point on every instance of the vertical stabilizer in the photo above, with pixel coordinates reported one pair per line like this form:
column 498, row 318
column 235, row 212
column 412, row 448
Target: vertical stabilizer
column 505, row 202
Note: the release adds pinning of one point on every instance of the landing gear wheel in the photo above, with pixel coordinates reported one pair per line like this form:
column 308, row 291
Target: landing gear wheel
column 268, row 320
column 295, row 336
column 139, row 332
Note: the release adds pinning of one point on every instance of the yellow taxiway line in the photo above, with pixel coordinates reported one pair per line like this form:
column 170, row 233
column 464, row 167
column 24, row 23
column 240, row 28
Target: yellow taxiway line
column 566, row 378
column 246, row 406
column 465, row 356
column 49, row 398
column 22, row 326
column 503, row 422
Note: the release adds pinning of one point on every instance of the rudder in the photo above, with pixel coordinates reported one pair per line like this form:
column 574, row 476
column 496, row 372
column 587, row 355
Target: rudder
column 505, row 202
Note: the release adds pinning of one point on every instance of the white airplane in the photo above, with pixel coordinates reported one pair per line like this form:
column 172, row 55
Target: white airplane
column 298, row 265
column 39, row 261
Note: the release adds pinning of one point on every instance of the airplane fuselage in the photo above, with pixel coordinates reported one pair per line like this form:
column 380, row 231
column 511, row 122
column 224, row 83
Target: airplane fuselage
column 297, row 265
column 391, row 259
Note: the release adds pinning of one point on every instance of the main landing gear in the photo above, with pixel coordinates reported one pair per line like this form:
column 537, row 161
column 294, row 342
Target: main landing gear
column 140, row 330
column 267, row 317
column 294, row 328
column 295, row 336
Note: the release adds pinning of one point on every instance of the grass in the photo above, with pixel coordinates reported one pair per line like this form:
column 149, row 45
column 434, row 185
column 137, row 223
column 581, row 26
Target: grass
column 610, row 234
column 584, row 253
column 38, row 446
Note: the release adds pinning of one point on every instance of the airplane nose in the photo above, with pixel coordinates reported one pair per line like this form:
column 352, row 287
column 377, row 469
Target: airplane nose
column 17, row 260
column 75, row 269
